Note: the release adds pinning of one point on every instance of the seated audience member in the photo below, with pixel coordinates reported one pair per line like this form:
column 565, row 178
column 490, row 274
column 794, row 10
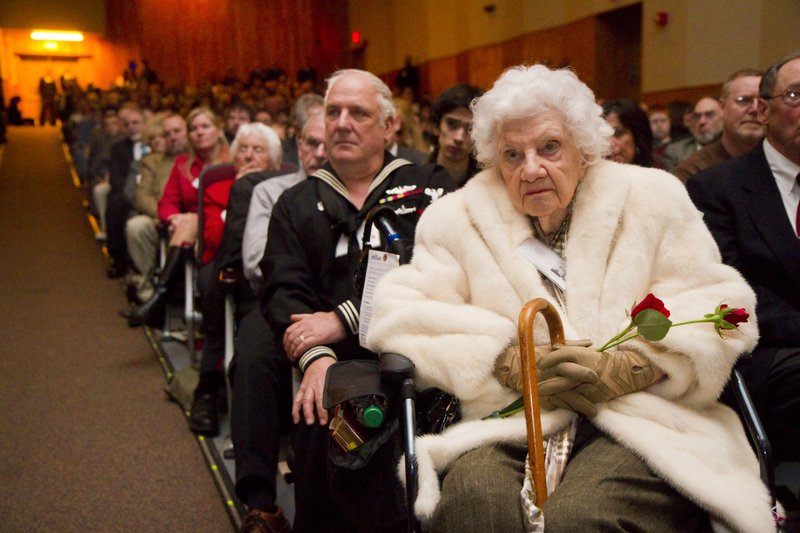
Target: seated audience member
column 177, row 208
column 742, row 129
column 406, row 141
column 750, row 204
column 452, row 116
column 256, row 148
column 262, row 381
column 15, row 117
column 154, row 135
column 632, row 141
column 637, row 418
column 99, row 157
column 119, row 206
column 305, row 106
column 659, row 126
column 263, row 116
column 234, row 116
column 310, row 261
column 141, row 231
column 706, row 125
column 680, row 119
column 311, row 154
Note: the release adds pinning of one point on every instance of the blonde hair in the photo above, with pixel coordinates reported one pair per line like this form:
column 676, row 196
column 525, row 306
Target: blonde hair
column 221, row 153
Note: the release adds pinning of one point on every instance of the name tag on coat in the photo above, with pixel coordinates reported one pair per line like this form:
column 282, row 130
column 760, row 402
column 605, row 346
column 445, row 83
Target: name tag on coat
column 548, row 262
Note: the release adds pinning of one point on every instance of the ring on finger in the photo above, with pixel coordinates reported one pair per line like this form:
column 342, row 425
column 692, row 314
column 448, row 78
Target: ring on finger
column 302, row 338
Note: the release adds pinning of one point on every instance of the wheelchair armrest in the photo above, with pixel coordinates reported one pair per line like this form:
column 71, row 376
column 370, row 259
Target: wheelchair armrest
column 758, row 435
column 395, row 367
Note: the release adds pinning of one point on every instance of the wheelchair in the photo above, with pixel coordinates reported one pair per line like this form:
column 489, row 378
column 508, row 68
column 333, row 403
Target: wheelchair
column 388, row 383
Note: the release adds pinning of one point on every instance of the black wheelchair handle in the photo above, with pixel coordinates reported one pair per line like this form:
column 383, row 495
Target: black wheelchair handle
column 395, row 367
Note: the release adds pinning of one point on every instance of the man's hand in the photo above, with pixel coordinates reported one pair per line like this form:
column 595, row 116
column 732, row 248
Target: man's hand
column 309, row 396
column 576, row 378
column 309, row 330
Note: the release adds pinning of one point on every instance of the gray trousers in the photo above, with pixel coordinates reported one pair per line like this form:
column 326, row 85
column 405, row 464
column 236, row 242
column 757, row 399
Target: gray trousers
column 141, row 236
column 605, row 488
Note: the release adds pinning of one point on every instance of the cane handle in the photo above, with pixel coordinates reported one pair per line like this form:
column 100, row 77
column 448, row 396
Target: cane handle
column 530, row 385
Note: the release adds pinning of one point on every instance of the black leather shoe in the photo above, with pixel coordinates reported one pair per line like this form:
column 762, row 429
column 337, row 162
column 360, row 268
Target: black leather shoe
column 151, row 313
column 263, row 522
column 203, row 415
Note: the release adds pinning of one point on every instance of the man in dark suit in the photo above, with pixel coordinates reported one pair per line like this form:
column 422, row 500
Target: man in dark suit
column 123, row 153
column 750, row 204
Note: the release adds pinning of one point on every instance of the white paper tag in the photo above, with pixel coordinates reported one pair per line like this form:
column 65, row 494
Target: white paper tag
column 546, row 261
column 378, row 265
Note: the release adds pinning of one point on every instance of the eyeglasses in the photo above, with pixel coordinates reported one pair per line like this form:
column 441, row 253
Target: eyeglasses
column 790, row 97
column 744, row 101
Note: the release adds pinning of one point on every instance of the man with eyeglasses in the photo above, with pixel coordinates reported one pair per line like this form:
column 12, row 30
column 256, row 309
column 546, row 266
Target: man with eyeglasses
column 742, row 129
column 750, row 204
column 706, row 125
column 453, row 119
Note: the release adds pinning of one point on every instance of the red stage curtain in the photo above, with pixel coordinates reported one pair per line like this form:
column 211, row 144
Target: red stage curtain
column 186, row 41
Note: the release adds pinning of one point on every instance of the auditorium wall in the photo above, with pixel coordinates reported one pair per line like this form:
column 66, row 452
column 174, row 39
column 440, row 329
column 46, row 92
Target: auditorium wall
column 24, row 61
column 701, row 43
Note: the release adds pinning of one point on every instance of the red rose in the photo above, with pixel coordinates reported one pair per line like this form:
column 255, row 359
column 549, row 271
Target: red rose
column 650, row 302
column 734, row 317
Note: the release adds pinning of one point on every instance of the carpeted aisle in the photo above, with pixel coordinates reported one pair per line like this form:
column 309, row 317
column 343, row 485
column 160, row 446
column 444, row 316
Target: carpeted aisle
column 88, row 439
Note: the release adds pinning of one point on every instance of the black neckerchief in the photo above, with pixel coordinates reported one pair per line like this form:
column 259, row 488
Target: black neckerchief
column 336, row 202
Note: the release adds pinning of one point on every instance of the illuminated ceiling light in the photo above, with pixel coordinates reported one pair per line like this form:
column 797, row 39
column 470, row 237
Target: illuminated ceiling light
column 46, row 35
column 51, row 46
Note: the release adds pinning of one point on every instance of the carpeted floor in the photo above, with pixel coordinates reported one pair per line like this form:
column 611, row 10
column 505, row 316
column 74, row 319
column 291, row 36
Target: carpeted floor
column 88, row 439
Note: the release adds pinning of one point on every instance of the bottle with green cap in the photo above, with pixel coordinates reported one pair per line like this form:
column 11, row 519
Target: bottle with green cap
column 370, row 410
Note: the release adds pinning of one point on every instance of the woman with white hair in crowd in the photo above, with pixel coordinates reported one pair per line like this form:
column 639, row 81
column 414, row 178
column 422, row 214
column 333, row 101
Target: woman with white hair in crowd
column 255, row 148
column 643, row 444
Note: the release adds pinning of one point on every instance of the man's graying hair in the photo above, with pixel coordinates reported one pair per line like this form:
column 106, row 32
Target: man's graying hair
column 767, row 86
column 383, row 91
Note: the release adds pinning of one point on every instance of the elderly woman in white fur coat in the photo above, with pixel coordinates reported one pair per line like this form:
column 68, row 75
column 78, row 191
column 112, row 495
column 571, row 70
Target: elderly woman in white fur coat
column 649, row 446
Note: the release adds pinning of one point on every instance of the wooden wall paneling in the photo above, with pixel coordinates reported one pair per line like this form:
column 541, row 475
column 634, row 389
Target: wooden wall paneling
column 485, row 65
column 578, row 49
column 542, row 47
column 441, row 74
column 687, row 94
column 618, row 53
column 513, row 52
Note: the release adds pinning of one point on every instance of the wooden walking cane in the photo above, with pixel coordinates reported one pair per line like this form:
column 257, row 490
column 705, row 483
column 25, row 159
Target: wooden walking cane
column 530, row 386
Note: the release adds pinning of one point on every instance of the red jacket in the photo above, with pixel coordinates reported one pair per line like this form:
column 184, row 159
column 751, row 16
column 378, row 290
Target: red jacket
column 180, row 192
column 215, row 204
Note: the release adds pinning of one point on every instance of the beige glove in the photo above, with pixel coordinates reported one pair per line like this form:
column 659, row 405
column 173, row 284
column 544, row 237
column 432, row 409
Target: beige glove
column 576, row 378
column 508, row 365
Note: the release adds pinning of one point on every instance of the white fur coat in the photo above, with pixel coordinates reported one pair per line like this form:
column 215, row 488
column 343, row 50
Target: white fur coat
column 633, row 231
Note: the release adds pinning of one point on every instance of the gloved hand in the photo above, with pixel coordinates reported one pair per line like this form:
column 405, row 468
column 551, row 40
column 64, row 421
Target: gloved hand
column 576, row 378
column 508, row 366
